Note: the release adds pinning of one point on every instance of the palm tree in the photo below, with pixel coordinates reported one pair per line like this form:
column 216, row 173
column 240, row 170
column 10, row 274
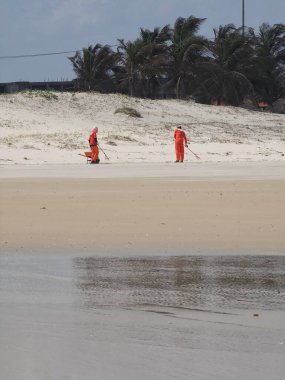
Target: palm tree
column 268, row 63
column 186, row 49
column 130, row 56
column 157, row 36
column 145, row 60
column 154, row 65
column 221, row 78
column 95, row 67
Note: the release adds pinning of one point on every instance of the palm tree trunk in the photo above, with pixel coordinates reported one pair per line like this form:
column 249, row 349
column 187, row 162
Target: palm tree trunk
column 177, row 87
column 131, row 81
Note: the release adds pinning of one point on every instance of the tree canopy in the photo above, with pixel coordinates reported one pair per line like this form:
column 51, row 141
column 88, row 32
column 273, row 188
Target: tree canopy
column 235, row 65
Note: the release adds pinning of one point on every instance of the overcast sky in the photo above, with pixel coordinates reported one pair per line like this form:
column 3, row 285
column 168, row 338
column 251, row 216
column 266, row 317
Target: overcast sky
column 44, row 26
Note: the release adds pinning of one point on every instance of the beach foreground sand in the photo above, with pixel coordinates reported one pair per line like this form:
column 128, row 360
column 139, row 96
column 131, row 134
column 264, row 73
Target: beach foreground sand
column 164, row 215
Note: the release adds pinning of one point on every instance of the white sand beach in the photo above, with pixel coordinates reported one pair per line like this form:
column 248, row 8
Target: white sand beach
column 231, row 200
column 41, row 128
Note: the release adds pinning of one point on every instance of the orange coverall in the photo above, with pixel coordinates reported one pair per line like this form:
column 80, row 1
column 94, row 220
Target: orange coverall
column 180, row 138
column 94, row 146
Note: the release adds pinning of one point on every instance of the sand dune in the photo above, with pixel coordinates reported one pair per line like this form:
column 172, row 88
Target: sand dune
column 38, row 127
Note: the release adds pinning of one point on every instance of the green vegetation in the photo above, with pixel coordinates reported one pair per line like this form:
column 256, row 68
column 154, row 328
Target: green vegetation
column 45, row 94
column 177, row 62
column 128, row 111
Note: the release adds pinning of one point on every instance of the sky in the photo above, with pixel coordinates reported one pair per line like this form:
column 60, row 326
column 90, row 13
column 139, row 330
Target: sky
column 47, row 26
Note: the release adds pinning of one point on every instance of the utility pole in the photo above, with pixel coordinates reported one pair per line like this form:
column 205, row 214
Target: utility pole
column 243, row 17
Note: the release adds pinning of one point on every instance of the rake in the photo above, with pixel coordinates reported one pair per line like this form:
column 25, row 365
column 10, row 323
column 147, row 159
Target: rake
column 196, row 155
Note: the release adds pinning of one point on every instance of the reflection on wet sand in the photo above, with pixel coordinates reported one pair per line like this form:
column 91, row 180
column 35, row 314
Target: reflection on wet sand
column 206, row 283
column 152, row 318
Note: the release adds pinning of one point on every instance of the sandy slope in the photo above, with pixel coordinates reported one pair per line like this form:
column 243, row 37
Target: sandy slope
column 35, row 129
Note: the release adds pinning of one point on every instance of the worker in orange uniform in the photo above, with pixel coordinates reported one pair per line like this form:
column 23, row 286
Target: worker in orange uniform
column 93, row 142
column 180, row 141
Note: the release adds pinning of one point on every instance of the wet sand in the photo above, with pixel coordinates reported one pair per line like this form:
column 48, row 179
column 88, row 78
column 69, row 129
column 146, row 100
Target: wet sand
column 74, row 317
column 213, row 211
column 130, row 272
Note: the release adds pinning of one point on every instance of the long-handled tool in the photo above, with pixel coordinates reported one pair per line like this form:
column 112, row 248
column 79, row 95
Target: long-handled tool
column 107, row 158
column 196, row 155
